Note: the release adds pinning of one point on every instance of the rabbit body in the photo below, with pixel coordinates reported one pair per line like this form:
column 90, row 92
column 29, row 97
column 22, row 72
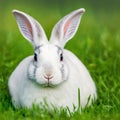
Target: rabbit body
column 27, row 87
column 25, row 92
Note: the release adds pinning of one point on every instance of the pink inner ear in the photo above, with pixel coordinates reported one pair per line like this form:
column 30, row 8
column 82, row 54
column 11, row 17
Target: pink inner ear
column 67, row 24
column 28, row 25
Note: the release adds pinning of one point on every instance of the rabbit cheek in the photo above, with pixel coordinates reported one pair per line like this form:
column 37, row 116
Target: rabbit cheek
column 64, row 72
column 60, row 76
column 31, row 72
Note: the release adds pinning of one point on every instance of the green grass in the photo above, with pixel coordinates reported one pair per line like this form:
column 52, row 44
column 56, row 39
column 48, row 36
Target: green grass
column 97, row 44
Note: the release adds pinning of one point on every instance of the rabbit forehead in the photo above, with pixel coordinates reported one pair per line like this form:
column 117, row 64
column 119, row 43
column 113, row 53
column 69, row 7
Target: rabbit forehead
column 49, row 51
column 49, row 48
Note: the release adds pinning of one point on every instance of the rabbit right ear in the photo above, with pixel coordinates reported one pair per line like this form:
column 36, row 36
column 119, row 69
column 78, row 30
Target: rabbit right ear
column 30, row 28
column 66, row 28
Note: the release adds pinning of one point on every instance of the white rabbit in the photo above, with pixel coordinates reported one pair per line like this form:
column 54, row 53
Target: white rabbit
column 53, row 74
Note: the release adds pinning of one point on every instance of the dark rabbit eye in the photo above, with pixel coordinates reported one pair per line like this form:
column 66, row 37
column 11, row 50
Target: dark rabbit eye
column 61, row 57
column 35, row 57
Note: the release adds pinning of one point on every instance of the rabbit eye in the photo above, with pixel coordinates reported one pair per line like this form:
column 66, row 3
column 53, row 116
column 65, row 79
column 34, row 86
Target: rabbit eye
column 61, row 57
column 35, row 57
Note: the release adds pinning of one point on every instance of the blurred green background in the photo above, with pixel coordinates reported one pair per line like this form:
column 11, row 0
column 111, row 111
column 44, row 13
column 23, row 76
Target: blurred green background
column 102, row 11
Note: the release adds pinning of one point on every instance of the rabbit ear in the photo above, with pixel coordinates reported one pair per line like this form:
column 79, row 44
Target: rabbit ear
column 66, row 28
column 30, row 28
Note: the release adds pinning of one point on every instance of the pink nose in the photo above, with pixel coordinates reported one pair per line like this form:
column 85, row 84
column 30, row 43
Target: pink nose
column 48, row 76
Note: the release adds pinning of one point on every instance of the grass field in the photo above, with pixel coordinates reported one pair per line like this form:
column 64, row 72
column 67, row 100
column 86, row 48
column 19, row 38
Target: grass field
column 97, row 44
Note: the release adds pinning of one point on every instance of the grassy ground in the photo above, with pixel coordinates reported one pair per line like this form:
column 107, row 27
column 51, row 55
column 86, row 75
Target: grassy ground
column 97, row 44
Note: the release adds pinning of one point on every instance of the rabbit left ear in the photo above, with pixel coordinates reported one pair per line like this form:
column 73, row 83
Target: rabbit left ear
column 30, row 28
column 66, row 28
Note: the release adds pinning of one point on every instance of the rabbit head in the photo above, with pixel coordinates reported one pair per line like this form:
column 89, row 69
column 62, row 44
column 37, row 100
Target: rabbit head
column 49, row 66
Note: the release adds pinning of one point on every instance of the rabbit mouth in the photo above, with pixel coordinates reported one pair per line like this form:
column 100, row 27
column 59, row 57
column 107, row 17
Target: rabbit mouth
column 47, row 85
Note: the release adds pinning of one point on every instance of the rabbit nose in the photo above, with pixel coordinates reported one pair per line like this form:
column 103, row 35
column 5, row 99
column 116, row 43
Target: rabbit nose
column 48, row 76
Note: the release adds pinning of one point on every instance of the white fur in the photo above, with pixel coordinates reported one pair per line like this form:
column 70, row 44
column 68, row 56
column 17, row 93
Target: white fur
column 28, row 84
